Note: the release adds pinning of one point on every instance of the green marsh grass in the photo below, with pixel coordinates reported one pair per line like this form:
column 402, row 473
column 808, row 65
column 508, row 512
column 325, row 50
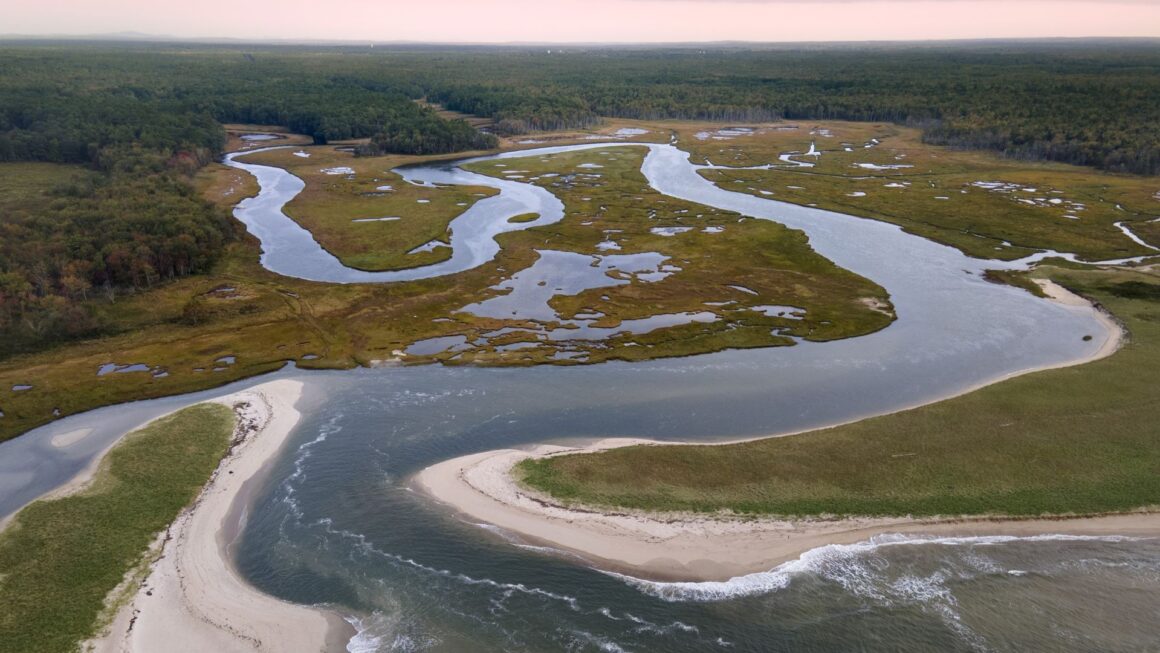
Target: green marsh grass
column 60, row 558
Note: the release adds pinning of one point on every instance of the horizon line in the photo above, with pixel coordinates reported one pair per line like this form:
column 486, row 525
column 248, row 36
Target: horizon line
column 142, row 37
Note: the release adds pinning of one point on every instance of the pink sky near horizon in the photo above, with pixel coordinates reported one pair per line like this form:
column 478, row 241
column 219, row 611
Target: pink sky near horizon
column 588, row 21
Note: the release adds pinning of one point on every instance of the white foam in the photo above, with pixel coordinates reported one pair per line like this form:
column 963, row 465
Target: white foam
column 363, row 641
column 850, row 565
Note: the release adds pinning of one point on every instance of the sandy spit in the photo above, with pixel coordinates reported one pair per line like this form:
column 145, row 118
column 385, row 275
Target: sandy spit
column 684, row 547
column 193, row 599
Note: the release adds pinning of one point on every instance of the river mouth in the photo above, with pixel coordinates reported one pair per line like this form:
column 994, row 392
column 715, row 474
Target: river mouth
column 343, row 527
column 337, row 523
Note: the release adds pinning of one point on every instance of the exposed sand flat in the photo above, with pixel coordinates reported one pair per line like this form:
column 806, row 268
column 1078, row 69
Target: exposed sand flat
column 1115, row 332
column 62, row 440
column 696, row 548
column 193, row 599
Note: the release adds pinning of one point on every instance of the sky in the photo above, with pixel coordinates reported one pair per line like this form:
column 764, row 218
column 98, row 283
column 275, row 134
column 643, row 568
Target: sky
column 586, row 21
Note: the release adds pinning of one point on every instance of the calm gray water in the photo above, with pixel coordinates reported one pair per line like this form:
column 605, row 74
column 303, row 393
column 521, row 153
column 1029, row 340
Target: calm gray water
column 290, row 250
column 338, row 524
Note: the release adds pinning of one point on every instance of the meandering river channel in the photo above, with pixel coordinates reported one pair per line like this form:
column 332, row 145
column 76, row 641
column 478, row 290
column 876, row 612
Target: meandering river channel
column 338, row 524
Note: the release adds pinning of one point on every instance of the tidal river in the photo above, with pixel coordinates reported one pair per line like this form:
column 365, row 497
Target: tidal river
column 337, row 523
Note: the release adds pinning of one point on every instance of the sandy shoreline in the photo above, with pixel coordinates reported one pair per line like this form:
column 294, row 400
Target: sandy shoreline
column 680, row 547
column 702, row 548
column 193, row 599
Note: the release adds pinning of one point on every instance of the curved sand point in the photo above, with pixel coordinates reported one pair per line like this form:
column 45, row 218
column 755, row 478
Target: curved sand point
column 717, row 547
column 193, row 598
column 684, row 547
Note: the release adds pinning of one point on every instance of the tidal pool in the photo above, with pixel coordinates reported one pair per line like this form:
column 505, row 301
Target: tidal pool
column 564, row 273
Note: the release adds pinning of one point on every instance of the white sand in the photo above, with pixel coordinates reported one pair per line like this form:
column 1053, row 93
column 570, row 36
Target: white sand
column 193, row 599
column 689, row 547
column 1114, row 332
column 692, row 548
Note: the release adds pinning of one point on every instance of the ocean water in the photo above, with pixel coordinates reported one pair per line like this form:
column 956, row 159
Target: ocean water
column 339, row 525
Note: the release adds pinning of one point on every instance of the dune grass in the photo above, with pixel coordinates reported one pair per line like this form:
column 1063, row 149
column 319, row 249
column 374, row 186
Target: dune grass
column 61, row 558
column 1083, row 439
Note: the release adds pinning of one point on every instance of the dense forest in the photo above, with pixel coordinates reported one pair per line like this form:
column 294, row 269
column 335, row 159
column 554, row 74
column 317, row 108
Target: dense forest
column 142, row 128
column 142, row 118
column 1085, row 103
column 1093, row 103
column 428, row 134
column 94, row 237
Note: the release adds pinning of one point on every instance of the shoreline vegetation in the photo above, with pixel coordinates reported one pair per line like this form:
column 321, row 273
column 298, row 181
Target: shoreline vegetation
column 192, row 598
column 132, row 555
column 656, row 518
column 186, row 584
column 683, row 547
column 61, row 555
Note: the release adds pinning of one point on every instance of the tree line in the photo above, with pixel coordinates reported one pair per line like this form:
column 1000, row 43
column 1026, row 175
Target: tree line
column 143, row 118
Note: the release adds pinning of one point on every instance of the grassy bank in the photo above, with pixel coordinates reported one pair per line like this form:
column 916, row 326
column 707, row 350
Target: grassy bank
column 370, row 218
column 1075, row 440
column 979, row 202
column 61, row 558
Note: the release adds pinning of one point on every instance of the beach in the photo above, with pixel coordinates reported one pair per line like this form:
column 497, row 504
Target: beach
column 192, row 598
column 684, row 547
